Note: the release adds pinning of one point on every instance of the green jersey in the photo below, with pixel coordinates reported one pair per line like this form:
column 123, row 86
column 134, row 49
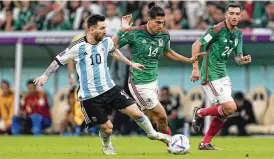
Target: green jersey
column 219, row 43
column 146, row 50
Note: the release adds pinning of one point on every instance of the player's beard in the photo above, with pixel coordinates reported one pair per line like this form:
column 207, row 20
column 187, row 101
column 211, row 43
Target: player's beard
column 98, row 37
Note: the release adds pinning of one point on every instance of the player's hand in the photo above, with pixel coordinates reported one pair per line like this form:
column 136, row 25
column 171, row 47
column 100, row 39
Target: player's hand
column 40, row 80
column 197, row 57
column 138, row 66
column 195, row 76
column 247, row 59
column 126, row 22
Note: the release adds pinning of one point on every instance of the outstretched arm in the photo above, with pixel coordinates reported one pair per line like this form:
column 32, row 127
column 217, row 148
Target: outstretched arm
column 172, row 55
column 119, row 56
column 242, row 60
column 53, row 67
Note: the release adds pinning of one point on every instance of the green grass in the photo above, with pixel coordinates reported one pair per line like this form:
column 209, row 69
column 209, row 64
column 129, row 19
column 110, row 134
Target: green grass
column 55, row 147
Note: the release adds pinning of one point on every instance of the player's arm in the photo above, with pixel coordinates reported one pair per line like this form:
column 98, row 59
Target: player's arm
column 239, row 58
column 71, row 72
column 61, row 59
column 119, row 56
column 172, row 55
column 205, row 39
column 123, row 37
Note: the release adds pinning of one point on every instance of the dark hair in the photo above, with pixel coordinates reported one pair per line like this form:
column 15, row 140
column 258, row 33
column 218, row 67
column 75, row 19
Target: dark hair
column 233, row 5
column 5, row 82
column 155, row 10
column 165, row 88
column 94, row 19
column 239, row 96
column 30, row 82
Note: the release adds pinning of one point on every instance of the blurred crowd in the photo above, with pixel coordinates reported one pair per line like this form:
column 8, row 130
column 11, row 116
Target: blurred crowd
column 70, row 15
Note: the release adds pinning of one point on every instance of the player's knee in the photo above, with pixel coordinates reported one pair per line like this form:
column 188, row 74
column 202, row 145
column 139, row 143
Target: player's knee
column 228, row 110
column 108, row 131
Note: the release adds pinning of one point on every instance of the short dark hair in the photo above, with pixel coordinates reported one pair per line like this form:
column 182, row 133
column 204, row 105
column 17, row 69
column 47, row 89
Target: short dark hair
column 94, row 19
column 5, row 82
column 155, row 10
column 30, row 81
column 239, row 96
column 165, row 88
column 233, row 5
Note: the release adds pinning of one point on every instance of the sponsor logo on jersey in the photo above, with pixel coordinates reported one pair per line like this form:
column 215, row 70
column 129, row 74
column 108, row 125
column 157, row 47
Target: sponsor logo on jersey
column 144, row 41
column 161, row 42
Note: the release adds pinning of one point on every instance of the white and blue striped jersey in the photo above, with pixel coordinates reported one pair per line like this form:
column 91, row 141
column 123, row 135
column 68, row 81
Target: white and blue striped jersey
column 91, row 66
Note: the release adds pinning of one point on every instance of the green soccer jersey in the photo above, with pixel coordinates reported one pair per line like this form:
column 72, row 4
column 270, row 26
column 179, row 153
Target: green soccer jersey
column 146, row 50
column 219, row 43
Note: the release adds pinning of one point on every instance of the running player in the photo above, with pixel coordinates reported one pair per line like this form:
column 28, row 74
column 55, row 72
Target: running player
column 149, row 42
column 220, row 41
column 97, row 89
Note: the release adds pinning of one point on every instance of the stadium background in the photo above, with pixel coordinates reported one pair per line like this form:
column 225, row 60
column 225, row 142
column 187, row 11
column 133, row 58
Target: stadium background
column 35, row 32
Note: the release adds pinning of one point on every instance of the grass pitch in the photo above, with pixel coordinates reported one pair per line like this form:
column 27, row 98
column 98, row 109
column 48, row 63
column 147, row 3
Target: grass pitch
column 55, row 147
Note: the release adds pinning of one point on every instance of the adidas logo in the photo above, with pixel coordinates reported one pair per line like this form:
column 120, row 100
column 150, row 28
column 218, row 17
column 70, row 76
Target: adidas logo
column 144, row 41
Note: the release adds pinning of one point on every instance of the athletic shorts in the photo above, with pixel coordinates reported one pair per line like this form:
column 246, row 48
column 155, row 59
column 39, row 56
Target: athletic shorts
column 219, row 91
column 146, row 95
column 96, row 109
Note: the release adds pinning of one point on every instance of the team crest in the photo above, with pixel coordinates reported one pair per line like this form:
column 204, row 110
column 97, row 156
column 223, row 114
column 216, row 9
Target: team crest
column 161, row 42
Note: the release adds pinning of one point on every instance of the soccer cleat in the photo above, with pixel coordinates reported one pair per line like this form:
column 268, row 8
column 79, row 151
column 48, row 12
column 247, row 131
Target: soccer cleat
column 108, row 149
column 196, row 120
column 160, row 136
column 207, row 147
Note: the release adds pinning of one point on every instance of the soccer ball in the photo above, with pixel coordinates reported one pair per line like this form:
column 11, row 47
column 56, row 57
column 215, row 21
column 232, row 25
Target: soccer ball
column 179, row 144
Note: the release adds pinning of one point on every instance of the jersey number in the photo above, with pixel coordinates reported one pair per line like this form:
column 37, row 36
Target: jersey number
column 96, row 59
column 227, row 51
column 153, row 53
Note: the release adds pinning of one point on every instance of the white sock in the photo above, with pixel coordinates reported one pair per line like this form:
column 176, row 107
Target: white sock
column 106, row 139
column 145, row 124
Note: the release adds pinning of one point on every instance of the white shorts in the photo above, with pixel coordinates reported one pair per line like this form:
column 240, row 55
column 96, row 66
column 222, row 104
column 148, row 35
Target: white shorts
column 219, row 91
column 146, row 95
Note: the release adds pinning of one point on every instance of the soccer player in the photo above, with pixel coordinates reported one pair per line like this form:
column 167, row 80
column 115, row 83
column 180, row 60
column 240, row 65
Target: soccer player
column 149, row 42
column 220, row 41
column 97, row 89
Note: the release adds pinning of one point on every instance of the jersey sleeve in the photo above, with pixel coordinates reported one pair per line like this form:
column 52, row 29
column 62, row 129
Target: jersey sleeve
column 126, row 38
column 111, row 47
column 69, row 53
column 167, row 46
column 208, row 36
column 239, row 43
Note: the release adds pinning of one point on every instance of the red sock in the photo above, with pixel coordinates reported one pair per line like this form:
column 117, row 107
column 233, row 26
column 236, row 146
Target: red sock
column 168, row 131
column 216, row 110
column 215, row 126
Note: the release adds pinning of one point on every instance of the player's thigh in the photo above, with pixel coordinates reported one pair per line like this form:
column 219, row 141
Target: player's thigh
column 122, row 101
column 94, row 111
column 145, row 95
